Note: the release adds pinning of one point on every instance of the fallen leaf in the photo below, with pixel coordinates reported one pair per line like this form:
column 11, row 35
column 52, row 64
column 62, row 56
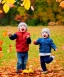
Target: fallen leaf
column 30, row 70
column 1, row 54
column 0, row 48
column 25, row 71
column 5, row 33
column 9, row 50
column 10, row 45
column 1, row 42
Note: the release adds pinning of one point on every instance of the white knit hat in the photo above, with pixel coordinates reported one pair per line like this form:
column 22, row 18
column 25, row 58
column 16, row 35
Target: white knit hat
column 22, row 24
column 46, row 30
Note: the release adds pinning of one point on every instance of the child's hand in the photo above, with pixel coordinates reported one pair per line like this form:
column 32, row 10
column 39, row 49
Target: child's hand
column 9, row 34
column 27, row 36
column 35, row 42
column 56, row 49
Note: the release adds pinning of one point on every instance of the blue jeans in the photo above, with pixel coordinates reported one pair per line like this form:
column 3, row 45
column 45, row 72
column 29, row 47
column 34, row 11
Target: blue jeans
column 22, row 60
column 44, row 60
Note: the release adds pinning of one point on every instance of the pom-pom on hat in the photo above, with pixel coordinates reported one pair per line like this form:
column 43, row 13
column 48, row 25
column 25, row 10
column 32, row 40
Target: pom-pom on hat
column 22, row 24
column 46, row 30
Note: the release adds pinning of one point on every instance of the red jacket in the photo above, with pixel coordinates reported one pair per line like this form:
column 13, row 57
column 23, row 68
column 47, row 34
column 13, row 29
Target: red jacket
column 21, row 42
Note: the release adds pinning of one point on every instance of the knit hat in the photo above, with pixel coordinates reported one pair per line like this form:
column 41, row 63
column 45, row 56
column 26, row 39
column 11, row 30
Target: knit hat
column 46, row 30
column 22, row 24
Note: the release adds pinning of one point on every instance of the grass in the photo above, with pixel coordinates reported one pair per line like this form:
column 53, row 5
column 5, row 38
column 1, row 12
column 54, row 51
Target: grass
column 57, row 34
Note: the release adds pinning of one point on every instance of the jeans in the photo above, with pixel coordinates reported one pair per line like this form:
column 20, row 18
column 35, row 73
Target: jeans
column 22, row 60
column 44, row 60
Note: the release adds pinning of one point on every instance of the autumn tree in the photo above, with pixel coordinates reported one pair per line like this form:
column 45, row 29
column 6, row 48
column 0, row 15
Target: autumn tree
column 37, row 12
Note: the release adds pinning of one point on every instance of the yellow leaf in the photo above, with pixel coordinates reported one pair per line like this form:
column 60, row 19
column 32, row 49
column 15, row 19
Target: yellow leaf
column 24, row 1
column 25, row 71
column 6, row 8
column 11, row 1
column 8, row 1
column 27, row 4
column 4, row 1
column 31, row 70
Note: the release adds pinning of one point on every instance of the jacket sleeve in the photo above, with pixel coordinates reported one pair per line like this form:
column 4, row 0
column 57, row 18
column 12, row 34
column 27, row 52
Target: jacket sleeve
column 53, row 45
column 37, row 41
column 13, row 37
column 28, row 40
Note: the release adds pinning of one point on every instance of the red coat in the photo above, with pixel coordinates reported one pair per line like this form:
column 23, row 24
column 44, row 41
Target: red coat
column 21, row 42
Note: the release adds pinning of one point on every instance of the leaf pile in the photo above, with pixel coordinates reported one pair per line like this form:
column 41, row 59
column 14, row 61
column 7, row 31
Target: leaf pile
column 54, row 70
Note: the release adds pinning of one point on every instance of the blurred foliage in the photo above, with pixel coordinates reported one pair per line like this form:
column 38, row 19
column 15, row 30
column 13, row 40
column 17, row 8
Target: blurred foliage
column 45, row 11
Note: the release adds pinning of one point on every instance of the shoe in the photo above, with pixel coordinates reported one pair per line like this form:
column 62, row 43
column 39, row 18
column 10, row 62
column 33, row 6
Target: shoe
column 19, row 71
column 53, row 57
column 45, row 72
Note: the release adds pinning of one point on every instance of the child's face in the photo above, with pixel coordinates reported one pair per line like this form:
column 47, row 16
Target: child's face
column 22, row 29
column 45, row 35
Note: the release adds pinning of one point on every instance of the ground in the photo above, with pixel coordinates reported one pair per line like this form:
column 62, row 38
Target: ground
column 9, row 59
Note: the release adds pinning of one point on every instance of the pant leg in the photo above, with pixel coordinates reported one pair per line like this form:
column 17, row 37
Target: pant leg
column 48, row 59
column 20, row 59
column 43, row 65
column 25, row 59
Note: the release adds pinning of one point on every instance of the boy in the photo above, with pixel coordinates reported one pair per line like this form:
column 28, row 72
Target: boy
column 45, row 44
column 22, row 45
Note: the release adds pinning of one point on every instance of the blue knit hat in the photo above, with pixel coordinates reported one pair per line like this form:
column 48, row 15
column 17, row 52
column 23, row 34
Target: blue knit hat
column 22, row 24
column 46, row 30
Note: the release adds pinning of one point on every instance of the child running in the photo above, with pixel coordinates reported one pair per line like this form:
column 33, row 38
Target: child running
column 45, row 45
